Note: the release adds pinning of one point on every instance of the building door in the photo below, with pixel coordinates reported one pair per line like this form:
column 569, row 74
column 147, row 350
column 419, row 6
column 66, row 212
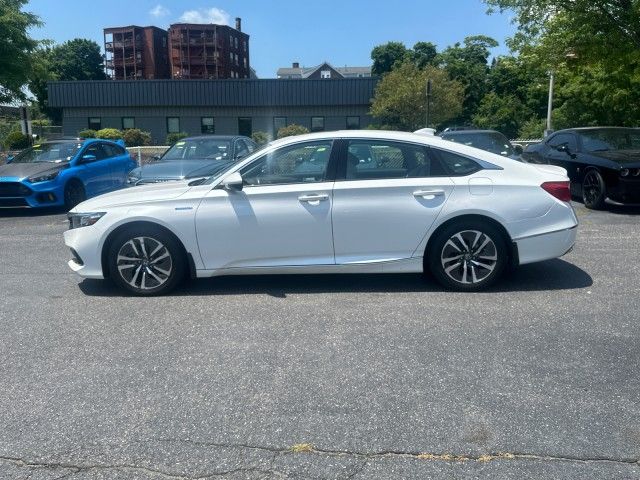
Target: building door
column 244, row 126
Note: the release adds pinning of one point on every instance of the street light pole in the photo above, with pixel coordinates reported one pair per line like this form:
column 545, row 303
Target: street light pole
column 550, row 105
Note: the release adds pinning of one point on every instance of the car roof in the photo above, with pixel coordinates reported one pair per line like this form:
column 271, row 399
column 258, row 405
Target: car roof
column 467, row 132
column 590, row 129
column 215, row 137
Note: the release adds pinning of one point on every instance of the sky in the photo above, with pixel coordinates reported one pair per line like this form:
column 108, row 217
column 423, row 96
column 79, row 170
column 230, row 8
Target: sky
column 285, row 31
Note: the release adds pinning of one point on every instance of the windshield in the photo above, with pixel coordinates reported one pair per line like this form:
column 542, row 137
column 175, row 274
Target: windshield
column 199, row 148
column 610, row 139
column 493, row 142
column 48, row 152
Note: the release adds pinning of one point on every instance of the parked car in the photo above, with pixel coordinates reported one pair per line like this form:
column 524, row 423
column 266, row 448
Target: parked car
column 382, row 202
column 193, row 157
column 63, row 172
column 489, row 140
column 602, row 162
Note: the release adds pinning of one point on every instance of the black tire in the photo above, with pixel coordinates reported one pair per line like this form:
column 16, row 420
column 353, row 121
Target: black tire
column 73, row 194
column 151, row 252
column 469, row 272
column 594, row 190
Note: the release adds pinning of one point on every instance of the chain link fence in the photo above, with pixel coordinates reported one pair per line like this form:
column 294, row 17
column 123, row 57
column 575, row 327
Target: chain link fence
column 144, row 155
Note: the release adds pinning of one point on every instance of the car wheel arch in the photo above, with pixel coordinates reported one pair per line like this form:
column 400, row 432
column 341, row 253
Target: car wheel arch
column 512, row 247
column 104, row 261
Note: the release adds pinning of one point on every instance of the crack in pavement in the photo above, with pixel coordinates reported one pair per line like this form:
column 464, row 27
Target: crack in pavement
column 309, row 450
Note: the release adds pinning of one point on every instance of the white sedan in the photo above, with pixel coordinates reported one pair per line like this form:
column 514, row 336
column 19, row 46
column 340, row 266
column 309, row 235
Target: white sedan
column 333, row 202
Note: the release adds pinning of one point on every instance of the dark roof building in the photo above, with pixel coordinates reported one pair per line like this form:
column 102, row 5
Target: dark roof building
column 323, row 71
column 136, row 53
column 213, row 106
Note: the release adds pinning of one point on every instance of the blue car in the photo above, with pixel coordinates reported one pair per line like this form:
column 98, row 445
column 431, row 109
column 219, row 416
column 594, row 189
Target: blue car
column 63, row 173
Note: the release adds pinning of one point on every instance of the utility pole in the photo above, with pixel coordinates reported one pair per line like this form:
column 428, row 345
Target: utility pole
column 550, row 105
column 428, row 100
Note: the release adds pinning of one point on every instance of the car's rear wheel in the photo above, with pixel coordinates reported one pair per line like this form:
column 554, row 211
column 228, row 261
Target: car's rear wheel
column 594, row 190
column 146, row 261
column 468, row 256
column 74, row 194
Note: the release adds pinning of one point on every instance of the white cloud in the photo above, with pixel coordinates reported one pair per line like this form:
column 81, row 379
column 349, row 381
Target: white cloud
column 159, row 11
column 206, row 15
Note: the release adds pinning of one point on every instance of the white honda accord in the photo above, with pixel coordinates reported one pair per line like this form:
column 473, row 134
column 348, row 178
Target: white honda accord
column 333, row 202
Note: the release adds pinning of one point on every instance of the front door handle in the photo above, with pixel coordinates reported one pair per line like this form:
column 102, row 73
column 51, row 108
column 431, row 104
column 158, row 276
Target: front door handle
column 428, row 193
column 316, row 197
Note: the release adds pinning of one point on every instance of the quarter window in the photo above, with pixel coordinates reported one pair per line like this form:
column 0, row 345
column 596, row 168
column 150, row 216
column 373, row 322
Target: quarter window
column 379, row 159
column 457, row 165
column 301, row 163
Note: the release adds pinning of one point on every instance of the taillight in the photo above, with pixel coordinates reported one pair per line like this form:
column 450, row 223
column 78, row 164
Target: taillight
column 560, row 190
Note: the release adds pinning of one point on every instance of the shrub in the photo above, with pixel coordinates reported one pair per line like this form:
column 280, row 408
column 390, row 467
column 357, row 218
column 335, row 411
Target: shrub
column 109, row 134
column 292, row 130
column 87, row 133
column 134, row 137
column 174, row 137
column 260, row 137
column 16, row 141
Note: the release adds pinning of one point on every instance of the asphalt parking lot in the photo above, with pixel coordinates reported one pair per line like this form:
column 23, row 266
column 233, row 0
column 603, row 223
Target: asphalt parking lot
column 365, row 377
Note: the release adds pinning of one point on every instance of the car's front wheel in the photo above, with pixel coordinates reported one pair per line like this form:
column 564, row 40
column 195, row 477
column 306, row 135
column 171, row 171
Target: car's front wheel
column 146, row 261
column 74, row 194
column 467, row 256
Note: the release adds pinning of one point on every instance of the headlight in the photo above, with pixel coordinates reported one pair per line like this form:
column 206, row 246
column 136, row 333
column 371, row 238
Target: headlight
column 624, row 172
column 43, row 177
column 77, row 220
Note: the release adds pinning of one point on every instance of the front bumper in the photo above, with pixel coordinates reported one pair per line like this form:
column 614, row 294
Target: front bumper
column 16, row 193
column 86, row 252
column 626, row 190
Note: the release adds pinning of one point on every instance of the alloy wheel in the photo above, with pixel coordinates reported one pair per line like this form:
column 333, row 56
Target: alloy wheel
column 144, row 263
column 469, row 257
column 591, row 188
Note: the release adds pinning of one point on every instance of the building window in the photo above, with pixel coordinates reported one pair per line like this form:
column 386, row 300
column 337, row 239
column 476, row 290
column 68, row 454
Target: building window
column 244, row 46
column 173, row 124
column 245, row 62
column 317, row 124
column 231, row 56
column 325, row 74
column 95, row 123
column 207, row 125
column 245, row 126
column 236, row 42
column 236, row 56
column 278, row 123
column 353, row 123
column 128, row 122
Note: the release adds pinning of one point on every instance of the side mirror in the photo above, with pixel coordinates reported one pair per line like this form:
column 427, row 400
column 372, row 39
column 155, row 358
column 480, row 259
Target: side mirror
column 518, row 149
column 565, row 148
column 233, row 182
column 9, row 159
column 155, row 158
column 88, row 158
column 240, row 156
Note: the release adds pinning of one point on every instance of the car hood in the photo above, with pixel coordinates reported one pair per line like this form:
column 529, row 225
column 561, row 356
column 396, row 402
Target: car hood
column 134, row 195
column 179, row 169
column 24, row 170
column 623, row 157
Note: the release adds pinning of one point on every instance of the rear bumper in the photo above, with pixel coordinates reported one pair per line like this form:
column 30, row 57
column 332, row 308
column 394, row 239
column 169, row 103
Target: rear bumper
column 546, row 246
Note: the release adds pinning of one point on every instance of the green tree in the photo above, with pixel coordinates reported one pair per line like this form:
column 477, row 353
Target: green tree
column 16, row 47
column 423, row 54
column 292, row 130
column 400, row 99
column 468, row 64
column 77, row 59
column 386, row 57
column 503, row 113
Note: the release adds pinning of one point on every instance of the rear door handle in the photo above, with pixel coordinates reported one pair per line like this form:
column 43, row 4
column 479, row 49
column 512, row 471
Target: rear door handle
column 316, row 197
column 428, row 193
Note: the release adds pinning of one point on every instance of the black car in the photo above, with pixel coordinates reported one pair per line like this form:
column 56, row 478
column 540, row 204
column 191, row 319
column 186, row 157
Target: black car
column 489, row 140
column 194, row 157
column 602, row 162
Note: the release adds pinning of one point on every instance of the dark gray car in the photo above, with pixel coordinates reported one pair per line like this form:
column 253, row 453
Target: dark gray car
column 489, row 140
column 194, row 157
